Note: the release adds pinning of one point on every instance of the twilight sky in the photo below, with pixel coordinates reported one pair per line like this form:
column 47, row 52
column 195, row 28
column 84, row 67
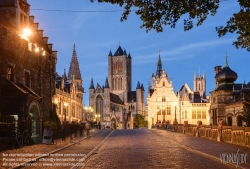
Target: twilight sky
column 96, row 29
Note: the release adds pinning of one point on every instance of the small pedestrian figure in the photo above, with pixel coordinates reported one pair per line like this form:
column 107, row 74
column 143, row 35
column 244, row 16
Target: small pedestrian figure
column 87, row 127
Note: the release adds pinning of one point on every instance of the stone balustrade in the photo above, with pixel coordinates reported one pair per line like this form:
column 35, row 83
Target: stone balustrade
column 229, row 134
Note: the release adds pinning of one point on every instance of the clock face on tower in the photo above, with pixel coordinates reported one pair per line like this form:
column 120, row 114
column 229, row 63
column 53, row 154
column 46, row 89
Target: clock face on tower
column 117, row 66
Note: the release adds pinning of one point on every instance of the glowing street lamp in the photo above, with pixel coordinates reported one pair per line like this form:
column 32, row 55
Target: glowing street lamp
column 65, row 105
column 26, row 32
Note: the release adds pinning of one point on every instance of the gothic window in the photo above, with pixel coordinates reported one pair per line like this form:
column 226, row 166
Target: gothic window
column 99, row 107
column 119, row 66
column 163, row 83
column 185, row 114
column 27, row 78
column 10, row 73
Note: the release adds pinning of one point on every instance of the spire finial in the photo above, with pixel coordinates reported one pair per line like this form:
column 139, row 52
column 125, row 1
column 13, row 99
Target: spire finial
column 119, row 43
column 159, row 52
column 74, row 47
column 226, row 63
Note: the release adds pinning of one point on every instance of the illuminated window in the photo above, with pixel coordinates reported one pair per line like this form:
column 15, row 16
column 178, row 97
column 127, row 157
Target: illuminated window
column 199, row 114
column 10, row 73
column 203, row 114
column 168, row 110
column 193, row 114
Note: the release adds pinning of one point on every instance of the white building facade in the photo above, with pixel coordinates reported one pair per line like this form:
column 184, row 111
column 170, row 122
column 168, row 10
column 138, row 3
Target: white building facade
column 165, row 106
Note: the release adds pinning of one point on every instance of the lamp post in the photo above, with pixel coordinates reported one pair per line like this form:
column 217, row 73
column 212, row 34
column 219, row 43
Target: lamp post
column 88, row 111
column 175, row 120
column 65, row 105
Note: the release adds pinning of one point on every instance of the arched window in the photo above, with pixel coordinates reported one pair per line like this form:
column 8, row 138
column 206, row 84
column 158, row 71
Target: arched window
column 99, row 108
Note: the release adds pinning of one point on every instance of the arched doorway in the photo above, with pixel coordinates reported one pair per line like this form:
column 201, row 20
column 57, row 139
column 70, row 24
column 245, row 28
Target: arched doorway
column 239, row 120
column 229, row 121
column 36, row 122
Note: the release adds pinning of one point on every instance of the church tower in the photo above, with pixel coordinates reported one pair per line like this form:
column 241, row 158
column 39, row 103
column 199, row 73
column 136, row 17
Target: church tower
column 74, row 71
column 119, row 73
column 200, row 84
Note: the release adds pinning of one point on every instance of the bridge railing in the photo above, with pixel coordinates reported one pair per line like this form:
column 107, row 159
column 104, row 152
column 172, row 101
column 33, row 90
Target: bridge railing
column 229, row 134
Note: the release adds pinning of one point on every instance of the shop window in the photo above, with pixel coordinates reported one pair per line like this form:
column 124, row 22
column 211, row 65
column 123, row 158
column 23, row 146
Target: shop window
column 10, row 73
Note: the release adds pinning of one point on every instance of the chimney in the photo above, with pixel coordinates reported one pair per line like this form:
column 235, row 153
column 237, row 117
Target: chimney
column 40, row 32
column 45, row 40
column 36, row 26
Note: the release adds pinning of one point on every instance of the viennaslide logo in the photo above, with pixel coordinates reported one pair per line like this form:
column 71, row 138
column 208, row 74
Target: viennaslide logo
column 234, row 158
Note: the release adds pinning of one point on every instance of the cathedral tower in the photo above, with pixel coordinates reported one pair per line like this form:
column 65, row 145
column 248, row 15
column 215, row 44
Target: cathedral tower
column 119, row 73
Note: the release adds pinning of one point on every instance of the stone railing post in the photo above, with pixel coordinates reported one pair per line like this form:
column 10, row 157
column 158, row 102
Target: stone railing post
column 199, row 123
column 185, row 125
column 220, row 124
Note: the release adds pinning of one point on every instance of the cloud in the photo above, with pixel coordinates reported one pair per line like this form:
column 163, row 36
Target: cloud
column 184, row 52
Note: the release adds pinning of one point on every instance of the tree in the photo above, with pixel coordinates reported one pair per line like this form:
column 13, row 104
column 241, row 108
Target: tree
column 246, row 111
column 157, row 13
column 139, row 120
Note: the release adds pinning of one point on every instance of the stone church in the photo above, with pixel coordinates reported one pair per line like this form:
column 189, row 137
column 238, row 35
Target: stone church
column 115, row 102
column 69, row 93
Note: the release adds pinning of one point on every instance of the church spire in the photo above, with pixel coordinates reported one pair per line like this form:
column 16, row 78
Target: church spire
column 226, row 63
column 74, row 66
column 91, row 84
column 159, row 66
column 106, row 83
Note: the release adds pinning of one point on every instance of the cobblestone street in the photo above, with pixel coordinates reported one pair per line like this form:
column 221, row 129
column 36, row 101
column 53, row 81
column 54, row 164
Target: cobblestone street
column 162, row 149
column 142, row 148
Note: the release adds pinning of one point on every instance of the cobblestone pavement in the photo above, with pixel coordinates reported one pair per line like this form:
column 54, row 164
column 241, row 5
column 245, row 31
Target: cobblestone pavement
column 43, row 148
column 149, row 149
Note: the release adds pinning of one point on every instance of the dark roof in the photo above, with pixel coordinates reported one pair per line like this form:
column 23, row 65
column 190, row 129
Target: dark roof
column 226, row 75
column 91, row 84
column 132, row 96
column 22, row 88
column 119, row 52
column 110, row 53
column 142, row 87
column 115, row 99
column 229, row 86
column 151, row 91
column 138, row 85
column 239, row 94
column 197, row 97
column 106, row 83
column 129, row 56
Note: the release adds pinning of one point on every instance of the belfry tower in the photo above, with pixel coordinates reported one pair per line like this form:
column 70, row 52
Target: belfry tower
column 119, row 73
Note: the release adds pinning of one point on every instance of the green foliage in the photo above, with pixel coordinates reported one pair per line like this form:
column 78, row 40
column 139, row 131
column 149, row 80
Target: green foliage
column 155, row 14
column 114, row 125
column 139, row 120
column 246, row 111
column 53, row 122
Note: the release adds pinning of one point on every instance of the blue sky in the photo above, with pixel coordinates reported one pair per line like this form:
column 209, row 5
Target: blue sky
column 96, row 33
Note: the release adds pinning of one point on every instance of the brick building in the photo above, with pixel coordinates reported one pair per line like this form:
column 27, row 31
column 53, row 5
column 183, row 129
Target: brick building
column 27, row 68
